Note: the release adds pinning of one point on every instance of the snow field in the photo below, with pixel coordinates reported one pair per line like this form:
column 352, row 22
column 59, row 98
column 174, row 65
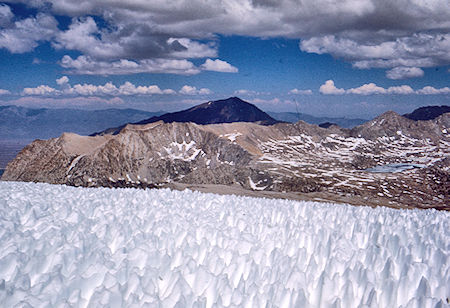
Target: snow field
column 64, row 246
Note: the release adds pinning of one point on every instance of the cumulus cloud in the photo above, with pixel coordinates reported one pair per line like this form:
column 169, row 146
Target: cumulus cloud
column 134, row 41
column 403, row 72
column 83, row 35
column 24, row 35
column 418, row 50
column 6, row 16
column 40, row 90
column 329, row 88
column 218, row 66
column 300, row 92
column 130, row 89
column 366, row 33
column 85, row 89
column 87, row 66
column 4, row 92
column 263, row 16
column 373, row 89
column 404, row 89
column 188, row 48
column 62, row 81
column 428, row 90
column 190, row 90
column 367, row 89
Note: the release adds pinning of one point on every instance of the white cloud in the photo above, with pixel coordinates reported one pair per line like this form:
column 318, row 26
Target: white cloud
column 169, row 91
column 263, row 18
column 192, row 49
column 40, row 90
column 204, row 91
column 218, row 66
column 300, row 92
column 404, row 89
column 62, row 81
column 373, row 89
column 90, row 89
column 364, row 51
column 329, row 88
column 83, row 35
column 135, row 41
column 367, row 89
column 130, row 89
column 4, row 92
column 366, row 33
column 87, row 66
column 190, row 90
column 6, row 16
column 403, row 72
column 24, row 35
column 108, row 88
column 428, row 90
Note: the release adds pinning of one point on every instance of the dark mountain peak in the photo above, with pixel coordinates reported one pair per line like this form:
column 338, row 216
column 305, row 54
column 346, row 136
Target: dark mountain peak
column 232, row 102
column 427, row 113
column 228, row 110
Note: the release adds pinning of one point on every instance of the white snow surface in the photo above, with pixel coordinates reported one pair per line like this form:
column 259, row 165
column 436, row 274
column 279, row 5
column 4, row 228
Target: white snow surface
column 65, row 246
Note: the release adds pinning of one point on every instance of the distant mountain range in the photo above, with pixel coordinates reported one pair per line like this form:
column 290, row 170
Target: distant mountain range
column 293, row 117
column 26, row 124
column 20, row 123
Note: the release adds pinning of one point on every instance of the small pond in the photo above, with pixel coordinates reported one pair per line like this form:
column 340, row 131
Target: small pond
column 393, row 168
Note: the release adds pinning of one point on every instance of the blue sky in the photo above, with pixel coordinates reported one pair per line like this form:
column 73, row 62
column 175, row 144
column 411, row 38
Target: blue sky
column 333, row 58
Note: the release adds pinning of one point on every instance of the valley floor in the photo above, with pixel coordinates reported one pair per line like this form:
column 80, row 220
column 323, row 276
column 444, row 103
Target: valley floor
column 164, row 248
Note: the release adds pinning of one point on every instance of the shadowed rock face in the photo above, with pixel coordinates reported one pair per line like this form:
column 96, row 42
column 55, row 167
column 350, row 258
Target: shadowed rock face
column 298, row 157
column 427, row 113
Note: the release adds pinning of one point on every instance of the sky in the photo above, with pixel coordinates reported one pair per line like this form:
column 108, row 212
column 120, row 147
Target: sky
column 346, row 58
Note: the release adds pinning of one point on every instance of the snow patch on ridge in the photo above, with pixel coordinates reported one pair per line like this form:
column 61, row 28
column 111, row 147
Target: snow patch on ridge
column 183, row 151
column 254, row 186
column 232, row 136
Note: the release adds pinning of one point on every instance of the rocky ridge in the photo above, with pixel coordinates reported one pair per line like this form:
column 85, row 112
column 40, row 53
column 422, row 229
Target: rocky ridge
column 284, row 158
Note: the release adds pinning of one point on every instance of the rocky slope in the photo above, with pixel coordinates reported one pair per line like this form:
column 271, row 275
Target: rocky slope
column 294, row 158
